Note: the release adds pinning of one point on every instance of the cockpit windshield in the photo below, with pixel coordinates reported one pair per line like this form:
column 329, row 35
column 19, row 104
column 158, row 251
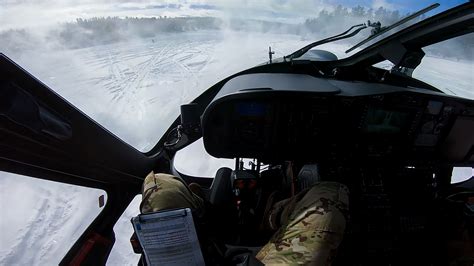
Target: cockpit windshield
column 130, row 65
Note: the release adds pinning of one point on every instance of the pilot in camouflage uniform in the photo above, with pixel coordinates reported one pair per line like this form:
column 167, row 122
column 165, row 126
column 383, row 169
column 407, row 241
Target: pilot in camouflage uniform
column 310, row 224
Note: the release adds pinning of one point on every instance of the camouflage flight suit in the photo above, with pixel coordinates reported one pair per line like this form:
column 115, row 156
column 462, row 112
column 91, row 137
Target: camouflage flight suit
column 164, row 192
column 312, row 223
column 312, row 226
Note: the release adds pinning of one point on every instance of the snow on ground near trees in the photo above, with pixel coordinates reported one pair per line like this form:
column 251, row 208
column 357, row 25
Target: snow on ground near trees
column 134, row 89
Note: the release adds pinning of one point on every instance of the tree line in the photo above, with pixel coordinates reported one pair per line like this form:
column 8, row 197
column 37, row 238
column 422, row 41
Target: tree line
column 331, row 21
column 83, row 33
column 96, row 31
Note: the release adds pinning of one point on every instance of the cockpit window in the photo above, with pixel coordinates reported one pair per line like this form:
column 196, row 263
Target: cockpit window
column 449, row 66
column 461, row 174
column 195, row 161
column 42, row 219
column 122, row 252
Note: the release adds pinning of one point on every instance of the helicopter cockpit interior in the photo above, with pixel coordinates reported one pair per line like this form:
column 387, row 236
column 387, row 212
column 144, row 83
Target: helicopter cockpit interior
column 288, row 124
column 394, row 147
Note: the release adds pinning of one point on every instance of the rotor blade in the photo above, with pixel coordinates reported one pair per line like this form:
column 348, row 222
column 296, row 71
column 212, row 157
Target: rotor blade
column 396, row 24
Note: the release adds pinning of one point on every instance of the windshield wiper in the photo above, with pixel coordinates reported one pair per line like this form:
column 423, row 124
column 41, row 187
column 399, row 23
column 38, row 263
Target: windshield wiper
column 337, row 37
column 378, row 30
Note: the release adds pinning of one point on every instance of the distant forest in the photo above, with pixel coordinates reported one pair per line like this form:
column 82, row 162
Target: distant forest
column 104, row 30
column 94, row 31
column 330, row 21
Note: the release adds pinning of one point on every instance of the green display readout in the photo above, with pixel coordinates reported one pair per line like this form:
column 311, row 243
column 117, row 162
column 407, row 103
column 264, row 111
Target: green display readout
column 385, row 121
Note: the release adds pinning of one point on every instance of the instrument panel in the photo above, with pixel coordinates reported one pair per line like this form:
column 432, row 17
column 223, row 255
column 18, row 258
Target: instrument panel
column 283, row 125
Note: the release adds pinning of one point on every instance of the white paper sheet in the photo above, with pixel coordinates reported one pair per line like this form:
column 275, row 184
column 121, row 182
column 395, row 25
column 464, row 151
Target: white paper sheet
column 168, row 238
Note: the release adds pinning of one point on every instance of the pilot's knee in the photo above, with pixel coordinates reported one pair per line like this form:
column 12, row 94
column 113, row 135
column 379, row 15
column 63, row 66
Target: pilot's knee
column 332, row 191
column 323, row 207
column 165, row 192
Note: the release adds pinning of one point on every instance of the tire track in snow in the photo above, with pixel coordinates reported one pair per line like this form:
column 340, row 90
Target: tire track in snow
column 134, row 85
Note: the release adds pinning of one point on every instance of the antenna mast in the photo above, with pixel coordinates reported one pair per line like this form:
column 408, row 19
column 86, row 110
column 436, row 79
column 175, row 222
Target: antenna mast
column 270, row 53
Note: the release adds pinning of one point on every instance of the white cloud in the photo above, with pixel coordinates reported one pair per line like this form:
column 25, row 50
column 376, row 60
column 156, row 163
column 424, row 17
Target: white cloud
column 383, row 3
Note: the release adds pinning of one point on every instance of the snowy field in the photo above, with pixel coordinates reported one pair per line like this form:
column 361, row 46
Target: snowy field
column 134, row 89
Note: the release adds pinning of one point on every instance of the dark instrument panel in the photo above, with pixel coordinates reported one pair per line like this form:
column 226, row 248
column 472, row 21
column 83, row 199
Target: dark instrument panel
column 286, row 125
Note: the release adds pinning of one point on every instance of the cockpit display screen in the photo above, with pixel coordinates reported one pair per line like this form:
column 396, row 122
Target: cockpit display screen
column 386, row 121
column 251, row 109
column 434, row 107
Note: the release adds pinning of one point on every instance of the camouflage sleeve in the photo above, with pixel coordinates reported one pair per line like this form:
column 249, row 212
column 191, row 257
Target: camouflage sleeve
column 313, row 224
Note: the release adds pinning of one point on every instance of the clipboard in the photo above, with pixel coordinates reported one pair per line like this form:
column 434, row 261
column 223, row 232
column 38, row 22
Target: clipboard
column 168, row 238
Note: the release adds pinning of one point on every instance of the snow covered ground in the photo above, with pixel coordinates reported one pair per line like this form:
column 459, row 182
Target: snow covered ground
column 39, row 218
column 135, row 89
column 140, row 84
column 452, row 77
